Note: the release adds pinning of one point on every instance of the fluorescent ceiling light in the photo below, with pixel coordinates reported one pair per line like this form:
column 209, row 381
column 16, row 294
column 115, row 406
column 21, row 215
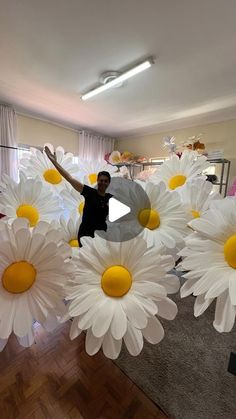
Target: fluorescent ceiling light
column 124, row 76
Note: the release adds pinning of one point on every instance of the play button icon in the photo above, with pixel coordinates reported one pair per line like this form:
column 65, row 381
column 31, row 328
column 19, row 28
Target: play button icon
column 123, row 222
column 117, row 210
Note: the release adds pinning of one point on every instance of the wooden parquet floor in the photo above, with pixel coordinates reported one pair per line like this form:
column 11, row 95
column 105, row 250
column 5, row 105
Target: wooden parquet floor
column 55, row 378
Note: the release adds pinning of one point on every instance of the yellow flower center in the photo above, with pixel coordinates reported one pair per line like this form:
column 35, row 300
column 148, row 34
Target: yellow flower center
column 74, row 243
column 29, row 212
column 81, row 208
column 176, row 181
column 52, row 176
column 230, row 251
column 149, row 218
column 93, row 178
column 195, row 214
column 116, row 281
column 18, row 277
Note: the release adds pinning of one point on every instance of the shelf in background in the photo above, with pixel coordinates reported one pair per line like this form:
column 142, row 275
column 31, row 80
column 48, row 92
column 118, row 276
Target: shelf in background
column 225, row 171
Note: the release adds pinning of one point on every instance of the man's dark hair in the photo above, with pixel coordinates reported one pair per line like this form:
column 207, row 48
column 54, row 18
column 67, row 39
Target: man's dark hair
column 104, row 173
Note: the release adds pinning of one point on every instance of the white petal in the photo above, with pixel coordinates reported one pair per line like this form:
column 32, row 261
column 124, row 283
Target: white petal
column 6, row 323
column 206, row 282
column 130, row 255
column 104, row 318
column 224, row 314
column 75, row 330
column 154, row 331
column 167, row 309
column 80, row 306
column 201, row 304
column 23, row 238
column 40, row 303
column 232, row 289
column 119, row 323
column 167, row 263
column 28, row 340
column 218, row 288
column 37, row 243
column 188, row 287
column 133, row 340
column 149, row 289
column 171, row 283
column 146, row 303
column 35, row 309
column 167, row 240
column 23, row 319
column 19, row 223
column 86, row 319
column 45, row 255
column 7, row 253
column 111, row 347
column 134, row 312
column 92, row 344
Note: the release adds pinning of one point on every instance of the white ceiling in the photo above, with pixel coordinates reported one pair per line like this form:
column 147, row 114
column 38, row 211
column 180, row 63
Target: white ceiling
column 53, row 50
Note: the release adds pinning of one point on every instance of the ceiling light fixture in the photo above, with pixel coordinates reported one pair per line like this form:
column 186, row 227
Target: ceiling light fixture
column 119, row 79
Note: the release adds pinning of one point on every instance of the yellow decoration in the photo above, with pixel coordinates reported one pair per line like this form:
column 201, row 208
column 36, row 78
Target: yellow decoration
column 195, row 214
column 29, row 212
column 149, row 218
column 93, row 178
column 126, row 156
column 52, row 176
column 81, row 208
column 74, row 243
column 176, row 181
column 116, row 281
column 18, row 277
column 230, row 251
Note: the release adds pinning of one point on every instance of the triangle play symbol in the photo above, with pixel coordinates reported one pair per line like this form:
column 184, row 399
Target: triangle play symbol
column 117, row 210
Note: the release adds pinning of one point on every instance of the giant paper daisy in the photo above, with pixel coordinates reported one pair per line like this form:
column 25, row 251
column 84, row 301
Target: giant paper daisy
column 33, row 272
column 29, row 199
column 175, row 172
column 210, row 258
column 118, row 290
column 88, row 170
column 165, row 222
column 38, row 164
column 156, row 214
column 196, row 197
column 69, row 229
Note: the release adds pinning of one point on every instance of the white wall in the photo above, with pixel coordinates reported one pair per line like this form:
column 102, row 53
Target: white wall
column 36, row 132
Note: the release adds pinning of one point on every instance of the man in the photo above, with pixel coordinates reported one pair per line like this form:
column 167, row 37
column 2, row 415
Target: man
column 96, row 200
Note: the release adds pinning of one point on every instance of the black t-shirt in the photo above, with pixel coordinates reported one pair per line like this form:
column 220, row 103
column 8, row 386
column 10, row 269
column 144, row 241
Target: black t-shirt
column 95, row 211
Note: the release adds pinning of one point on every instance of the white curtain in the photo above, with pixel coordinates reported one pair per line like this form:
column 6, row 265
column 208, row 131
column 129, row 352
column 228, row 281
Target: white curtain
column 93, row 146
column 8, row 142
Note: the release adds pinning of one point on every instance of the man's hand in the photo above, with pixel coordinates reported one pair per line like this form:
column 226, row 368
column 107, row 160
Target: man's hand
column 74, row 182
column 50, row 155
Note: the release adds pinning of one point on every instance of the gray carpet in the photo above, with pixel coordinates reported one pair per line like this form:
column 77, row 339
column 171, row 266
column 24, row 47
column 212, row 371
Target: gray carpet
column 186, row 374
